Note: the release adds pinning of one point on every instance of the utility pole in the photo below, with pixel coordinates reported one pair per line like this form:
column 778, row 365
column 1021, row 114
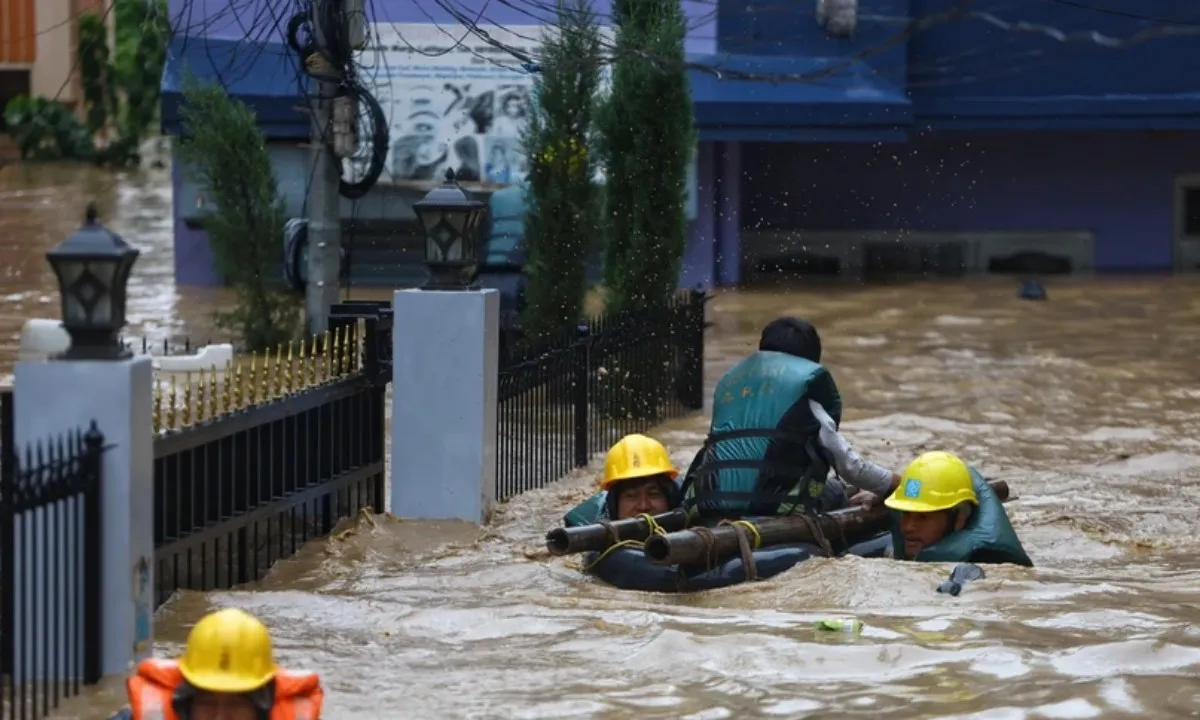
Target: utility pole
column 324, row 201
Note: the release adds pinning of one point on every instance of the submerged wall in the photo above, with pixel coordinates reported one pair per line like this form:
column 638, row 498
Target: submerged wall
column 1118, row 185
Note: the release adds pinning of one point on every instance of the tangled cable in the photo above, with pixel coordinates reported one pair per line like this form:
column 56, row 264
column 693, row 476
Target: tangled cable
column 335, row 64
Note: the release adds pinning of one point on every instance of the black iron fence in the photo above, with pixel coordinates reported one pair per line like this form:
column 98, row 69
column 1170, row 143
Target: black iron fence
column 562, row 400
column 50, row 568
column 163, row 347
column 6, row 424
column 253, row 460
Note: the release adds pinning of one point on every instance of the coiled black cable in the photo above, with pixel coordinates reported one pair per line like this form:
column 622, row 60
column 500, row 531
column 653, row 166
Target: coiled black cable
column 298, row 22
column 339, row 54
column 367, row 105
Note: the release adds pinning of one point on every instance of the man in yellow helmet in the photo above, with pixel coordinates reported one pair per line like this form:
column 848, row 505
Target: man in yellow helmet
column 227, row 672
column 948, row 513
column 639, row 478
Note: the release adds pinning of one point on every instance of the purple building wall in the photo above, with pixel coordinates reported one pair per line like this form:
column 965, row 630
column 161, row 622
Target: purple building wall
column 1119, row 185
column 194, row 260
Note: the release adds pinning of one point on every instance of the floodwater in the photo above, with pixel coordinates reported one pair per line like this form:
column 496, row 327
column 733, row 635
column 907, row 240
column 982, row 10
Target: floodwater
column 1086, row 404
column 41, row 205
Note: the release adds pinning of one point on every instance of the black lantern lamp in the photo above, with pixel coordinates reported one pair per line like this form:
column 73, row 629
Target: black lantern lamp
column 93, row 267
column 451, row 220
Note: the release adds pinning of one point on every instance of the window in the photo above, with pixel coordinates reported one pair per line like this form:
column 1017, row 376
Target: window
column 1191, row 211
column 906, row 257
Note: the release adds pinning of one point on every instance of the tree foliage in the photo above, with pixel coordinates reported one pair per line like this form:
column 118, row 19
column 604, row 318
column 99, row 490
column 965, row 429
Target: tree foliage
column 143, row 32
column 561, row 222
column 647, row 137
column 120, row 91
column 227, row 156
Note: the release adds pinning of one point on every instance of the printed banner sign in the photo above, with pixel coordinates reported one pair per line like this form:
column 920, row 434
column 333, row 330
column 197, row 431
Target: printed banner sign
column 454, row 100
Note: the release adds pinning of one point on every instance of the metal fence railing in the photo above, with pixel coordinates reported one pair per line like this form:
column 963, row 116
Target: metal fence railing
column 50, row 568
column 562, row 400
column 252, row 462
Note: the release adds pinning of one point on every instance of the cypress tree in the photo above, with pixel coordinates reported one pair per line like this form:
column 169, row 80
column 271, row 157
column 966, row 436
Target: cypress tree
column 562, row 198
column 647, row 136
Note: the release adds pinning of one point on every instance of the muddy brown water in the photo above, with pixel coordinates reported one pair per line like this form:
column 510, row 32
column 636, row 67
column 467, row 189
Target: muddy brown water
column 1087, row 404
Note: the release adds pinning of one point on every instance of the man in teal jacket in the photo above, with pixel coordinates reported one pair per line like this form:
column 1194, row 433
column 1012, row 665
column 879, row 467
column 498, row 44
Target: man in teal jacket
column 768, row 452
column 946, row 512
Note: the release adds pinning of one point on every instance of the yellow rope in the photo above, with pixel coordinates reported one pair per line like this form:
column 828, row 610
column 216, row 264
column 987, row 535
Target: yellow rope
column 609, row 550
column 750, row 528
column 655, row 529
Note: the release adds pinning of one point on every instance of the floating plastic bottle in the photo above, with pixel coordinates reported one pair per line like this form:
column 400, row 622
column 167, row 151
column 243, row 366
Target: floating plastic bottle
column 848, row 627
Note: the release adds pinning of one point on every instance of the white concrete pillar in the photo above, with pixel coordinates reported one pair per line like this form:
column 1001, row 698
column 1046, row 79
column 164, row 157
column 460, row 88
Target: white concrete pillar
column 444, row 391
column 53, row 397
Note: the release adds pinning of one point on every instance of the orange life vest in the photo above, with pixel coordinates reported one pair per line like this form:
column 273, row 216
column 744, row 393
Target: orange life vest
column 152, row 687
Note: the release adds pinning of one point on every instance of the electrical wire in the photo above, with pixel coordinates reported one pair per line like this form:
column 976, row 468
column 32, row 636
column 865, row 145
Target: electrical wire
column 340, row 57
column 477, row 24
column 1122, row 13
column 960, row 12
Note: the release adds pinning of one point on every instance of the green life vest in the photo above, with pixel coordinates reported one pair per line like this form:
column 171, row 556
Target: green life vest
column 988, row 537
column 762, row 455
column 588, row 512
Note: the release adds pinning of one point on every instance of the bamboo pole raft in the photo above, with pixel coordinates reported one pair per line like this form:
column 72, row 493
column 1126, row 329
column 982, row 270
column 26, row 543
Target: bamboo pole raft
column 846, row 527
column 601, row 536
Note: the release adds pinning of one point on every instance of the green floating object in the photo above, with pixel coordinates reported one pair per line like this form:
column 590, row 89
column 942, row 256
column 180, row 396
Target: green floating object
column 850, row 627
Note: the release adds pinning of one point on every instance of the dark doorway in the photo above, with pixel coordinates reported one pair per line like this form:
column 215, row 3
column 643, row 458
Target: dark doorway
column 13, row 83
column 796, row 265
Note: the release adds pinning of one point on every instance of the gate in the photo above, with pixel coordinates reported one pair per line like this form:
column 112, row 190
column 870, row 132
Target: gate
column 50, row 560
column 253, row 460
column 563, row 400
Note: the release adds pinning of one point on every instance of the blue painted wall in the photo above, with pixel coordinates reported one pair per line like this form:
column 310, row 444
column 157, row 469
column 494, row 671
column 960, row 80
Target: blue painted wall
column 975, row 69
column 773, row 28
column 1004, row 64
column 972, row 73
column 1119, row 185
column 1012, row 129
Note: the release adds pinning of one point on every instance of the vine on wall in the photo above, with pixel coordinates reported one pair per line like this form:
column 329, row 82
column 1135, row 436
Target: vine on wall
column 120, row 91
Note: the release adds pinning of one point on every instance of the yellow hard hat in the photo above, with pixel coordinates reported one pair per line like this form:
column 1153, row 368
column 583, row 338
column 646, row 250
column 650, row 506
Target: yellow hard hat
column 636, row 456
column 934, row 481
column 228, row 651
